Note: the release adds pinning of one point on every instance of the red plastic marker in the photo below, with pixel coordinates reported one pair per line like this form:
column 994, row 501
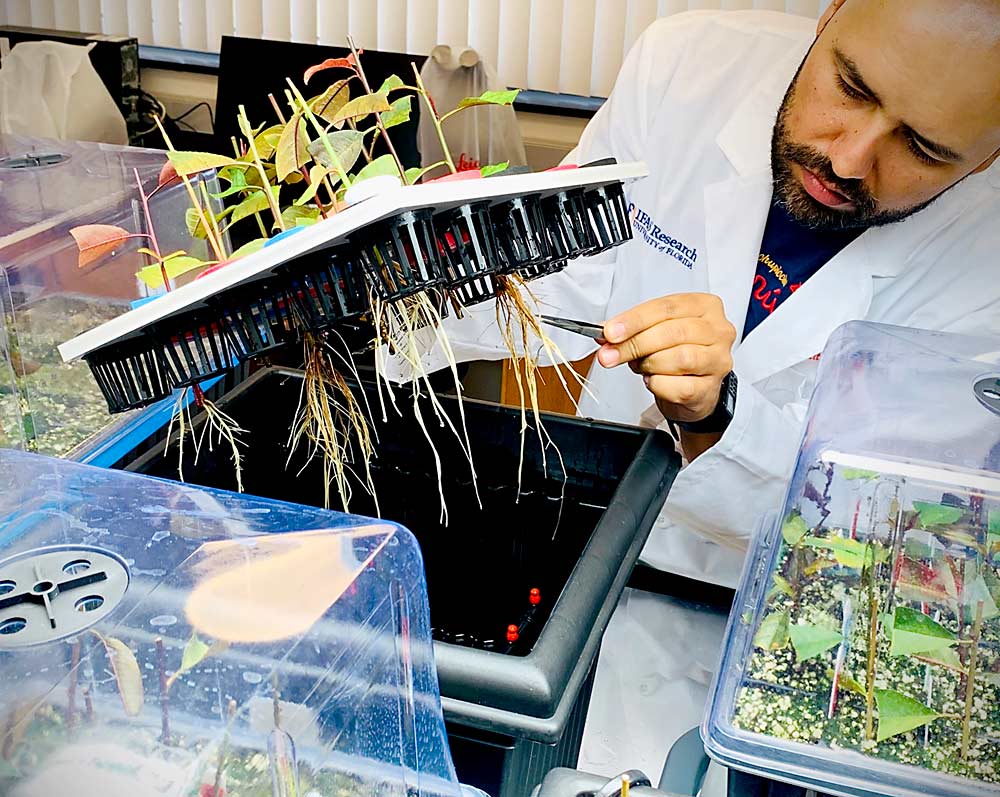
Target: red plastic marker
column 512, row 633
column 535, row 596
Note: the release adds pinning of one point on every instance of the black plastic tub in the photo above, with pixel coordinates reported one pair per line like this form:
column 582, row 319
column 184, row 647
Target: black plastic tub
column 515, row 708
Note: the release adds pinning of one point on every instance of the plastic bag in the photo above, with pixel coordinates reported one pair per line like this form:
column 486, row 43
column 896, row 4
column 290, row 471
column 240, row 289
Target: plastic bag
column 476, row 137
column 51, row 90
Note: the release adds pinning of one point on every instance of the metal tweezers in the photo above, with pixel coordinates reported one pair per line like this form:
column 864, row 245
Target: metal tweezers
column 593, row 331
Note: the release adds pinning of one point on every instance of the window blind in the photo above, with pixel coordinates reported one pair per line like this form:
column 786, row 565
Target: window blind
column 570, row 46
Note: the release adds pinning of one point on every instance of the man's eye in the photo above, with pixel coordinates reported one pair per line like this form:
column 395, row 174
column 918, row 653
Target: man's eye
column 850, row 91
column 919, row 153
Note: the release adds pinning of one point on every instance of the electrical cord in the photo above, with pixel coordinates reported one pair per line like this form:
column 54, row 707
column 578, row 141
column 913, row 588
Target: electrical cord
column 192, row 109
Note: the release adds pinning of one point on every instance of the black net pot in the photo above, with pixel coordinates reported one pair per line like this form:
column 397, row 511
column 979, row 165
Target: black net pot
column 609, row 215
column 130, row 374
column 400, row 255
column 196, row 346
column 258, row 318
column 568, row 222
column 474, row 291
column 520, row 233
column 328, row 289
column 466, row 243
column 543, row 270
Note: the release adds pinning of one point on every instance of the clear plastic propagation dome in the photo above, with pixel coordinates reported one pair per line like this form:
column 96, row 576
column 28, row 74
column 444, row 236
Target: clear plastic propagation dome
column 159, row 640
column 863, row 653
column 48, row 188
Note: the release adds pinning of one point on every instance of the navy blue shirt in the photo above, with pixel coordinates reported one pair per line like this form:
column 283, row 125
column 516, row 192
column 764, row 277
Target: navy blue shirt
column 790, row 253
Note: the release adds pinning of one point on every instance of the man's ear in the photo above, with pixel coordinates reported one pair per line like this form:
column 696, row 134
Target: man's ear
column 987, row 163
column 832, row 9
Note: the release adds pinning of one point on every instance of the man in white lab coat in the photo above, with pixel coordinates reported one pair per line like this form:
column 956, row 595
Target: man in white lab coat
column 796, row 182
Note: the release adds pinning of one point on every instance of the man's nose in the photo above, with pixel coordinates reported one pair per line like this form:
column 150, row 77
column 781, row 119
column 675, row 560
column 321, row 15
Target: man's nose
column 852, row 154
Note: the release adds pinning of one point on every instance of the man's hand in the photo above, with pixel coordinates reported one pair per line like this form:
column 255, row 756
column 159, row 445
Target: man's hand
column 682, row 346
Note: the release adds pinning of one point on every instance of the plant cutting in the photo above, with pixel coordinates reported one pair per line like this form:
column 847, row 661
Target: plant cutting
column 295, row 170
column 881, row 630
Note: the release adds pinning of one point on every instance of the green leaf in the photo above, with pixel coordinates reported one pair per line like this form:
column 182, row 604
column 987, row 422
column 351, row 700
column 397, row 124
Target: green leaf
column 811, row 641
column 193, row 222
column 937, row 514
column 851, row 685
column 362, row 106
column 914, row 632
column 267, row 141
column 898, row 714
column 994, row 523
column 379, row 167
column 494, row 168
column 490, row 98
column 414, row 174
column 398, row 114
column 849, row 553
column 856, row 474
column 299, row 216
column 194, row 651
column 346, row 145
column 773, row 632
column 794, row 529
column 237, row 183
column 327, row 104
column 780, row 586
column 293, row 148
column 316, row 175
column 947, row 658
column 176, row 266
column 391, row 83
column 976, row 590
column 255, row 203
column 249, row 248
column 188, row 163
column 128, row 676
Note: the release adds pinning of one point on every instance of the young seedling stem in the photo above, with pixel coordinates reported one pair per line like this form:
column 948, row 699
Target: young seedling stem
column 223, row 749
column 216, row 244
column 378, row 117
column 970, row 681
column 869, row 563
column 71, row 688
column 277, row 109
column 321, row 132
column 435, row 119
column 269, row 194
column 161, row 663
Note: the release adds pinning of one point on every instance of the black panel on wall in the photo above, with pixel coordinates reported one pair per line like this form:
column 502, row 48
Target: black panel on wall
column 249, row 69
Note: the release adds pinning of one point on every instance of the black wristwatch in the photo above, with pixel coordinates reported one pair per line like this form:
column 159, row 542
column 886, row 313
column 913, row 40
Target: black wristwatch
column 723, row 413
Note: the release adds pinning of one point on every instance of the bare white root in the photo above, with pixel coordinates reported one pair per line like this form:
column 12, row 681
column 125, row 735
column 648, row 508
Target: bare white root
column 328, row 420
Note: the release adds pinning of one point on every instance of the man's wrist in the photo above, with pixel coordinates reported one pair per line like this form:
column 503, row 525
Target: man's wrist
column 718, row 421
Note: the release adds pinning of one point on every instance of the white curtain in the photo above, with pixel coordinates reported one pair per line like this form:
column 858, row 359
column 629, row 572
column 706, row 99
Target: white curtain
column 571, row 46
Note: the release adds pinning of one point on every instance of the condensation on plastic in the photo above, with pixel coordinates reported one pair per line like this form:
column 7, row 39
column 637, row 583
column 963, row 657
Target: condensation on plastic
column 894, row 420
column 46, row 298
column 251, row 603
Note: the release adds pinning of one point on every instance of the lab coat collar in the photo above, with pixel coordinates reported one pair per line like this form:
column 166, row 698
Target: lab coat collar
column 746, row 137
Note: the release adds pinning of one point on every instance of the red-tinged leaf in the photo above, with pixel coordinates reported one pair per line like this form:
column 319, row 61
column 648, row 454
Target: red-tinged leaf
column 168, row 174
column 97, row 240
column 330, row 63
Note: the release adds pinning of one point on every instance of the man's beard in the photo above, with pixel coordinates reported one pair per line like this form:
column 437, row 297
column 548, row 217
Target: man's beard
column 789, row 193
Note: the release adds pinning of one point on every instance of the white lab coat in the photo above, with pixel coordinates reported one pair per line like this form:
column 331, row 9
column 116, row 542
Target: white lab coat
column 696, row 100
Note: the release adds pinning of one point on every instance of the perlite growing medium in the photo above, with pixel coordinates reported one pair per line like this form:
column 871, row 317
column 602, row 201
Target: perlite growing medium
column 881, row 627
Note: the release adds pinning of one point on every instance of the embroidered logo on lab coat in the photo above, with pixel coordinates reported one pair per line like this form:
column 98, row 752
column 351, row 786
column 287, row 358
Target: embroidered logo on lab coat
column 654, row 236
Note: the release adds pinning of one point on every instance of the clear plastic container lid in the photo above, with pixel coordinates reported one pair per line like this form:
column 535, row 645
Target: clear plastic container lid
column 863, row 651
column 48, row 188
column 159, row 640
